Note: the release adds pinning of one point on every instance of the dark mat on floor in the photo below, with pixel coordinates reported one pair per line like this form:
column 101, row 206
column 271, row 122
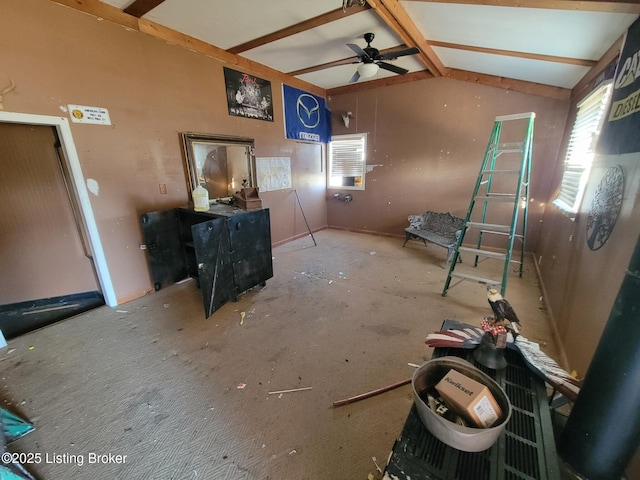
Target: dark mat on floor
column 23, row 317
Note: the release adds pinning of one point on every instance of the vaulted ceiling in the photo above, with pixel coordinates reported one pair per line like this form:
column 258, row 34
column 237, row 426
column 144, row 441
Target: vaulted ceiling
column 546, row 47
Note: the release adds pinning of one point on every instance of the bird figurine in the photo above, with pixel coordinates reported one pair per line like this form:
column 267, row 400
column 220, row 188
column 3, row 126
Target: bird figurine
column 502, row 310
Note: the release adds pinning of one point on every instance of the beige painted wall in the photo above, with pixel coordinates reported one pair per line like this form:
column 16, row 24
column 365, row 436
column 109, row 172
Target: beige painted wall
column 582, row 284
column 429, row 139
column 153, row 90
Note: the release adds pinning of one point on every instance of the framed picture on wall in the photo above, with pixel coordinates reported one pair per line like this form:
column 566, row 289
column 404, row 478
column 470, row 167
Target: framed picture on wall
column 248, row 96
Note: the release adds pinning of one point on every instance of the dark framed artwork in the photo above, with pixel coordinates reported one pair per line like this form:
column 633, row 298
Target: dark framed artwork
column 248, row 96
column 605, row 207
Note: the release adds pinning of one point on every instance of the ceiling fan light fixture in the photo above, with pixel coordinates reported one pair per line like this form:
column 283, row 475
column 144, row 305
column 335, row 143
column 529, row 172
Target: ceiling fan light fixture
column 367, row 70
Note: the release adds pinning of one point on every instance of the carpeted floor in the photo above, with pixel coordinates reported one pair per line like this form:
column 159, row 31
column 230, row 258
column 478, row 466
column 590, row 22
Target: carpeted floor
column 169, row 394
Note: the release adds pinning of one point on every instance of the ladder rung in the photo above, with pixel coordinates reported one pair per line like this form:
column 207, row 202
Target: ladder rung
column 509, row 150
column 511, row 147
column 515, row 116
column 484, row 253
column 519, row 237
column 472, row 278
column 490, row 226
column 500, row 171
column 497, row 197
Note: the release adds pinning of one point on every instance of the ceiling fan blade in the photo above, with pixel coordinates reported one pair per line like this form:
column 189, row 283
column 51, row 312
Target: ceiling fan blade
column 360, row 52
column 399, row 53
column 355, row 78
column 393, row 68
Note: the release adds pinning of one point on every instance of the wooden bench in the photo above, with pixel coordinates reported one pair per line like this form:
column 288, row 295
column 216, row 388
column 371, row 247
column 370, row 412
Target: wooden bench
column 443, row 229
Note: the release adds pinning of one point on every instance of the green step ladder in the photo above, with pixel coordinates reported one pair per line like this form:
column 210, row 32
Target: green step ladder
column 507, row 166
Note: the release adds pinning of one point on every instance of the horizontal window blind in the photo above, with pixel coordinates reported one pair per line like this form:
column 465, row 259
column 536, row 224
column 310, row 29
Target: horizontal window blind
column 581, row 148
column 347, row 155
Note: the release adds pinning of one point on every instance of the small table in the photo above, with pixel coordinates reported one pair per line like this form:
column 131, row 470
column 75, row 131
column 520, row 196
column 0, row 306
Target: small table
column 524, row 451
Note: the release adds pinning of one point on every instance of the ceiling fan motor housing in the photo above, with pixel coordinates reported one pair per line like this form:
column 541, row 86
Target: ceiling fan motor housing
column 373, row 54
column 369, row 50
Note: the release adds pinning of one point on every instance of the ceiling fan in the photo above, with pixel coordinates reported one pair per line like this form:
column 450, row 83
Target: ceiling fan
column 371, row 59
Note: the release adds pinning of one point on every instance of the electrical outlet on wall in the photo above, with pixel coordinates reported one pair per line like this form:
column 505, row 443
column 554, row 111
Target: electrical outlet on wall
column 163, row 188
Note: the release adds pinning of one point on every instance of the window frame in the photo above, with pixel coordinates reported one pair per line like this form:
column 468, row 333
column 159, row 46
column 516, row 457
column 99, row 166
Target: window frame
column 360, row 137
column 580, row 154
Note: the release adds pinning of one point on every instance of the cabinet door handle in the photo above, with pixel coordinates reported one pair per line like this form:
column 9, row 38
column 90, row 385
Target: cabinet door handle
column 238, row 226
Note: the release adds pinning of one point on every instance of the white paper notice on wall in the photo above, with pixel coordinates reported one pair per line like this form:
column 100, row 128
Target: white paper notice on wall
column 274, row 173
column 84, row 114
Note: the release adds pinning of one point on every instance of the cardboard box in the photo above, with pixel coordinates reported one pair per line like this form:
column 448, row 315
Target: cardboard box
column 469, row 398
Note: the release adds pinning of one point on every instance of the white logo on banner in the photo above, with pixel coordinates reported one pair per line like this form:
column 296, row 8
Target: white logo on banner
column 310, row 109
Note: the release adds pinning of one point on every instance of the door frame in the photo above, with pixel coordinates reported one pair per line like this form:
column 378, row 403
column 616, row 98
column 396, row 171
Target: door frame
column 61, row 124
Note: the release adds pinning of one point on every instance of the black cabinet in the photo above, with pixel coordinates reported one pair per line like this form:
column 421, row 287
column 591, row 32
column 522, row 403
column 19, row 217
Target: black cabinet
column 228, row 250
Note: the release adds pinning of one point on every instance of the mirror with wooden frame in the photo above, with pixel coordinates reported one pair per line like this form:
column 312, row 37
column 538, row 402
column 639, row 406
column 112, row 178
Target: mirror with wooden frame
column 221, row 164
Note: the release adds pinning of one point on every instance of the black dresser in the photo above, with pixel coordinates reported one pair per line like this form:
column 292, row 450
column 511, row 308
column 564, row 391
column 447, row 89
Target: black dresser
column 227, row 249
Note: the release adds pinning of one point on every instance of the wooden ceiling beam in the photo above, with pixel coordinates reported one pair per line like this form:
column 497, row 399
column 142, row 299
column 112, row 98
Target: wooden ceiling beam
column 256, row 68
column 382, row 82
column 462, row 75
column 297, row 28
column 399, row 21
column 101, row 10
column 532, row 88
column 140, row 7
column 608, row 6
column 511, row 53
column 344, row 61
column 105, row 11
column 324, row 66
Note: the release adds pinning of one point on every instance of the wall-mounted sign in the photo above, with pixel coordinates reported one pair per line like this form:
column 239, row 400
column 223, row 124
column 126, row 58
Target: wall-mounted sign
column 273, row 173
column 605, row 207
column 619, row 132
column 84, row 114
column 248, row 96
column 306, row 116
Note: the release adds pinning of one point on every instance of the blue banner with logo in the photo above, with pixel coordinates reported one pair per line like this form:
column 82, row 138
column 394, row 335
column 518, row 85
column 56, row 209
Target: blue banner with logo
column 306, row 116
column 622, row 122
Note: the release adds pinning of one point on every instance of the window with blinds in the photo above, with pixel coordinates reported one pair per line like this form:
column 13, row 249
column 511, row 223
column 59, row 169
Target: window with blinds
column 347, row 161
column 581, row 149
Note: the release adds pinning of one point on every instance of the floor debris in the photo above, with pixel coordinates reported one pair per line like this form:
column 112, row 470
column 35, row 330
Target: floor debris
column 372, row 393
column 290, row 390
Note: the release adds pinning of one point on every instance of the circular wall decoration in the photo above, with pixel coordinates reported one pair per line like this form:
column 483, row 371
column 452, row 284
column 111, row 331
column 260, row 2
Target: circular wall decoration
column 605, row 208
